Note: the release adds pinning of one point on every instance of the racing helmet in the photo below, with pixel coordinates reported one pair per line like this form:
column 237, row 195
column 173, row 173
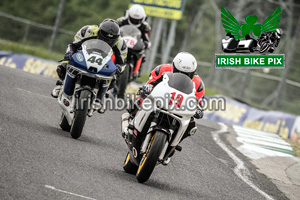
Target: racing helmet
column 185, row 63
column 136, row 15
column 109, row 31
column 278, row 31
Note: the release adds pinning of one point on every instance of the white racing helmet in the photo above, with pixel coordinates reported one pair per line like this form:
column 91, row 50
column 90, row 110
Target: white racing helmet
column 278, row 32
column 185, row 63
column 136, row 15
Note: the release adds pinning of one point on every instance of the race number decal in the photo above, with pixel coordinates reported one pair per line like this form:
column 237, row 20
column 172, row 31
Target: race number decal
column 130, row 41
column 93, row 59
column 178, row 100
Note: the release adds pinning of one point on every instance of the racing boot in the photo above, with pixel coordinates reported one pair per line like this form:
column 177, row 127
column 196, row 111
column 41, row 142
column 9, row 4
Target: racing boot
column 191, row 130
column 127, row 127
column 61, row 72
column 96, row 106
column 56, row 90
column 166, row 161
column 124, row 124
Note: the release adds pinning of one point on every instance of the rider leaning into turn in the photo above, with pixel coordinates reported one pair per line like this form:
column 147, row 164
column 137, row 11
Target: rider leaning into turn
column 273, row 36
column 182, row 63
column 109, row 32
column 136, row 16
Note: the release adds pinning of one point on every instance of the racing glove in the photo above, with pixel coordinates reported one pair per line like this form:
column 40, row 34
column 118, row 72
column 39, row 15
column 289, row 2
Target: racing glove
column 148, row 88
column 199, row 113
column 68, row 55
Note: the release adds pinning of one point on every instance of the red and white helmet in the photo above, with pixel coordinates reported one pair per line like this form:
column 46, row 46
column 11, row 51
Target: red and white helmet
column 136, row 15
column 185, row 63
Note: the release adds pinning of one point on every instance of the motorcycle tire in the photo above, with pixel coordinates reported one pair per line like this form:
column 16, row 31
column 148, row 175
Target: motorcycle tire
column 123, row 82
column 151, row 156
column 64, row 125
column 80, row 114
column 264, row 48
column 128, row 166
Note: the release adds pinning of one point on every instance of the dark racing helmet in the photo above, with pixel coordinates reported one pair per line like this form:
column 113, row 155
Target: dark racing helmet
column 109, row 31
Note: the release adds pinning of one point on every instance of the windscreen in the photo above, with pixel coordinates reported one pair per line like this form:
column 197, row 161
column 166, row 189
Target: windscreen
column 181, row 82
column 96, row 46
column 130, row 30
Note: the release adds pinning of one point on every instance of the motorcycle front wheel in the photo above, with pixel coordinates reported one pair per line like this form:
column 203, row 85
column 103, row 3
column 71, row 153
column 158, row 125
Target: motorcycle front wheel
column 264, row 48
column 151, row 156
column 128, row 166
column 80, row 114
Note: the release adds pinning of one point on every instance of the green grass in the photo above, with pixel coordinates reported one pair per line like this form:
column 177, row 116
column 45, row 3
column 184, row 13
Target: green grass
column 295, row 145
column 211, row 92
column 143, row 79
column 30, row 50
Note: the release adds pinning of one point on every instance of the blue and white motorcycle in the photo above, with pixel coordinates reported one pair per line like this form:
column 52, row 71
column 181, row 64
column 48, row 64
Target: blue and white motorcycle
column 89, row 74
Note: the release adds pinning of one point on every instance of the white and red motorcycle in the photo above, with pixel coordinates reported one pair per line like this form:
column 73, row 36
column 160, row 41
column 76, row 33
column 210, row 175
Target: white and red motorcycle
column 154, row 133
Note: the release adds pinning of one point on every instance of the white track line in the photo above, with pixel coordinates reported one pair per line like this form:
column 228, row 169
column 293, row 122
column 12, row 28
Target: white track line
column 240, row 170
column 66, row 192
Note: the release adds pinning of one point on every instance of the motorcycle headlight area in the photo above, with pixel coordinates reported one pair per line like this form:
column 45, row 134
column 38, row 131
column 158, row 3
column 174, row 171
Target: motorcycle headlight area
column 73, row 71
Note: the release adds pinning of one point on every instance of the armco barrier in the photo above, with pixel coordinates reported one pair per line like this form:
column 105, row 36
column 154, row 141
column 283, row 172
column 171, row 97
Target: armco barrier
column 237, row 113
column 29, row 64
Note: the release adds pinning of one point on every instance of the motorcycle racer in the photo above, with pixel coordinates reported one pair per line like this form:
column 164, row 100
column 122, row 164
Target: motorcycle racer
column 109, row 32
column 136, row 16
column 185, row 63
column 273, row 36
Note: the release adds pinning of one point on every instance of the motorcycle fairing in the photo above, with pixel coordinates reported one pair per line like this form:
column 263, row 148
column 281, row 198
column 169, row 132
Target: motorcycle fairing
column 182, row 116
column 94, row 60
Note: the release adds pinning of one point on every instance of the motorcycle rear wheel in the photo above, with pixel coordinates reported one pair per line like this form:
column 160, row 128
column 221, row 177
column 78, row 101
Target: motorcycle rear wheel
column 80, row 114
column 123, row 82
column 128, row 166
column 151, row 156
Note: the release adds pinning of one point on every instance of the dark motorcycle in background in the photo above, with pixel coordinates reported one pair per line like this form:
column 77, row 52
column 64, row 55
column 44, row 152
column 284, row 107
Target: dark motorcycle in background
column 133, row 38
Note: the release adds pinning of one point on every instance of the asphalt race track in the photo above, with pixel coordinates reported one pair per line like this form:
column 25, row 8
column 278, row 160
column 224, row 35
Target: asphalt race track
column 40, row 161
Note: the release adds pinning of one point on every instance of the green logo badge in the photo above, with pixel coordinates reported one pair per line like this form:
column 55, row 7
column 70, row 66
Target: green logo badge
column 232, row 26
column 250, row 37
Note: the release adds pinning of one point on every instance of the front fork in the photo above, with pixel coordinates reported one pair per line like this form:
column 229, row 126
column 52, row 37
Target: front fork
column 71, row 86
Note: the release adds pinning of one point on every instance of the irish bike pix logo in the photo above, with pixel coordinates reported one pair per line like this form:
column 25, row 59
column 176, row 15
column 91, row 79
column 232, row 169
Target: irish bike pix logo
column 250, row 44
